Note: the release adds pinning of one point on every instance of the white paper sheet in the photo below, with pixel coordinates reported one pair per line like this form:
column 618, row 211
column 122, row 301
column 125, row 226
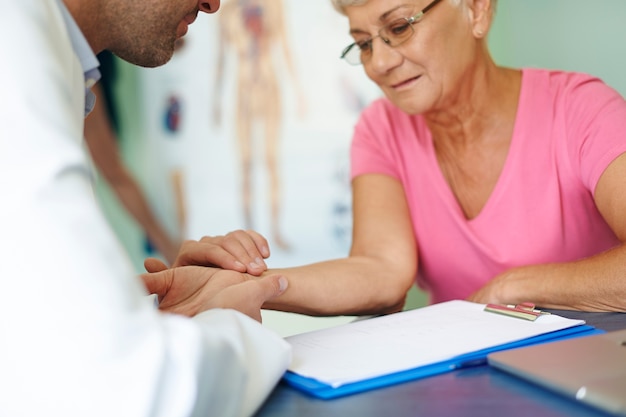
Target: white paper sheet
column 396, row 342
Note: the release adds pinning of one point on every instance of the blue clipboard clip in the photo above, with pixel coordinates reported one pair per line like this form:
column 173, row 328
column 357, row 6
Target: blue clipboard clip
column 526, row 311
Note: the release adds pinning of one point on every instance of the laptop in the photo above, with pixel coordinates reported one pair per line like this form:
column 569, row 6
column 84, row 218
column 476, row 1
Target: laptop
column 589, row 369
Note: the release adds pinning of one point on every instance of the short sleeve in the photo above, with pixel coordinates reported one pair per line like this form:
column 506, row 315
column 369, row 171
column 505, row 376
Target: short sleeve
column 596, row 123
column 372, row 143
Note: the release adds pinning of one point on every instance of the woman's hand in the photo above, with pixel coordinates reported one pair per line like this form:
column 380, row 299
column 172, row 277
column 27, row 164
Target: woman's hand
column 510, row 287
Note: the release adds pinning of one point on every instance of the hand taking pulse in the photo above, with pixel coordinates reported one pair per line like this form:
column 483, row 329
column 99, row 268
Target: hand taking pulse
column 189, row 290
column 240, row 250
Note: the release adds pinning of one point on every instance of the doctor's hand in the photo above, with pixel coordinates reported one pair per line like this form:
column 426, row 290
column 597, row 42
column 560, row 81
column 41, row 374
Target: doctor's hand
column 189, row 290
column 240, row 250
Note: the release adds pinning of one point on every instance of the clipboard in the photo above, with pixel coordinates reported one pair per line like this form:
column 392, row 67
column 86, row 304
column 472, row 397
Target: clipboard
column 313, row 348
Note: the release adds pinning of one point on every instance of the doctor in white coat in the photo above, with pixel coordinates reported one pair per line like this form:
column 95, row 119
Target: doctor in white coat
column 78, row 334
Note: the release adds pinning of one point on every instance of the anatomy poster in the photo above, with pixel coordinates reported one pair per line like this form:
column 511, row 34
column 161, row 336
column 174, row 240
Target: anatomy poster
column 249, row 127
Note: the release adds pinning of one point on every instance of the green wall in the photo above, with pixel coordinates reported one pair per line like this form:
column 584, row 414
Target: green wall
column 578, row 35
column 129, row 113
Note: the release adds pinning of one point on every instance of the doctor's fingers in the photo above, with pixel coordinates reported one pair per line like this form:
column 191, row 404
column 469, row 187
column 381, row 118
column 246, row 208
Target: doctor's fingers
column 189, row 290
column 249, row 297
column 241, row 251
column 154, row 265
column 246, row 246
column 157, row 283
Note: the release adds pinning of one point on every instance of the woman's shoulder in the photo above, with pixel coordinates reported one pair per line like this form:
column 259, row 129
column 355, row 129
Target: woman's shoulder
column 575, row 93
column 562, row 81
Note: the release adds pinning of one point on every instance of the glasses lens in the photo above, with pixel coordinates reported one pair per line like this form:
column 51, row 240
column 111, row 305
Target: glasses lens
column 352, row 54
column 397, row 32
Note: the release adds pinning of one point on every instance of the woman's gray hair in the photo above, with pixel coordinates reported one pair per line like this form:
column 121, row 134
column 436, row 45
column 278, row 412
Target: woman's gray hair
column 339, row 5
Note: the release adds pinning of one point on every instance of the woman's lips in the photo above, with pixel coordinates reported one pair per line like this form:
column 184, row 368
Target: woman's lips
column 405, row 83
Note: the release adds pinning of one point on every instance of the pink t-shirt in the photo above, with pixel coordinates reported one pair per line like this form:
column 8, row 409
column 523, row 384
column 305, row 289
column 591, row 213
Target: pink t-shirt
column 568, row 129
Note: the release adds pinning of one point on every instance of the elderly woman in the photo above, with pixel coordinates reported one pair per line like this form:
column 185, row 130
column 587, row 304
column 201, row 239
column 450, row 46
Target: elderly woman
column 479, row 182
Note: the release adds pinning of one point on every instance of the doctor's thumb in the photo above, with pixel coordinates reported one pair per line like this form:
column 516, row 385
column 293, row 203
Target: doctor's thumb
column 273, row 285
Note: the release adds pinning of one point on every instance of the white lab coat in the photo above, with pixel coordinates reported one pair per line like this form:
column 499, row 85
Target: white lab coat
column 78, row 335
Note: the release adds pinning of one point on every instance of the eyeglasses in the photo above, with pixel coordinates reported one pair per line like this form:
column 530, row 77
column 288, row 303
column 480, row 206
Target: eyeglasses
column 393, row 34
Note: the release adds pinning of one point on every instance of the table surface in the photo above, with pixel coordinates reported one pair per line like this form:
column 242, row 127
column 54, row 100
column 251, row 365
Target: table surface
column 479, row 391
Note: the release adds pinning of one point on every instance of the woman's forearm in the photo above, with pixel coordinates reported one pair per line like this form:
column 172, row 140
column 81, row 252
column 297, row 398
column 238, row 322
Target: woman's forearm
column 597, row 283
column 349, row 286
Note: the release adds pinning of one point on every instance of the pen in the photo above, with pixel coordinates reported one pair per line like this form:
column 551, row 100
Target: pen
column 525, row 311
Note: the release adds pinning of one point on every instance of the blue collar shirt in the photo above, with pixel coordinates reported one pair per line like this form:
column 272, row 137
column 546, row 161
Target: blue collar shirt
column 85, row 55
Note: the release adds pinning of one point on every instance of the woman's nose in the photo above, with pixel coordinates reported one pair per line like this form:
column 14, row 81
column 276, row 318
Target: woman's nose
column 384, row 57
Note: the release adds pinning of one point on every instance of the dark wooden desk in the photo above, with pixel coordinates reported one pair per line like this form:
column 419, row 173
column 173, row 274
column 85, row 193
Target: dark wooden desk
column 481, row 391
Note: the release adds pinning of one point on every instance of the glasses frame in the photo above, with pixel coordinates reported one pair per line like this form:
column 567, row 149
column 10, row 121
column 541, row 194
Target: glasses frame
column 410, row 21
